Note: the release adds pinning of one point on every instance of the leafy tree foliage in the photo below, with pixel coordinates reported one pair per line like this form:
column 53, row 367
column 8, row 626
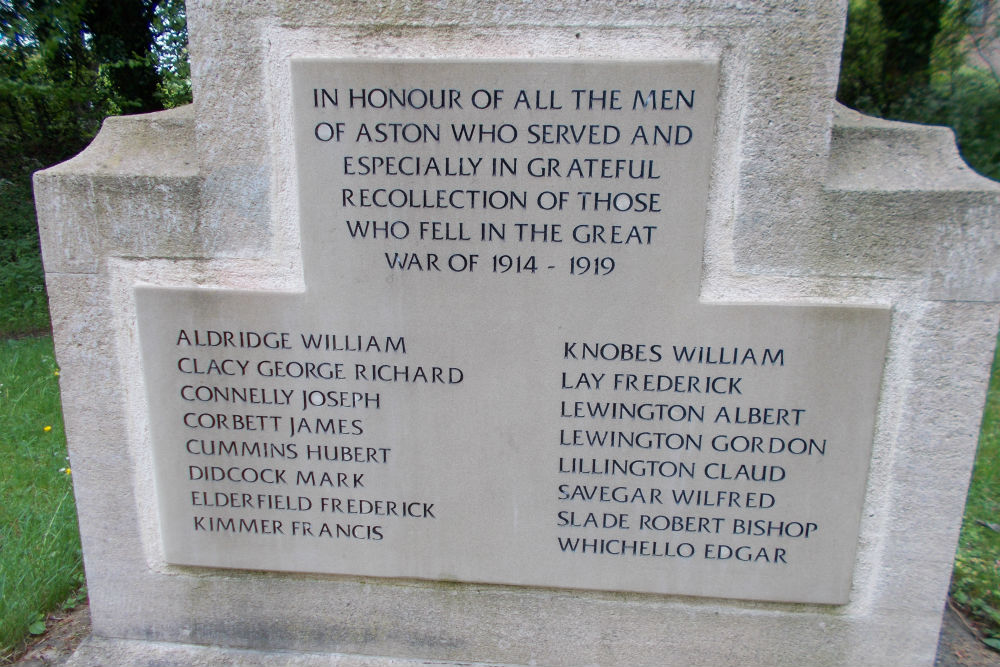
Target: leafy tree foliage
column 47, row 83
column 864, row 52
column 67, row 64
column 910, row 29
column 122, row 43
column 64, row 66
column 171, row 49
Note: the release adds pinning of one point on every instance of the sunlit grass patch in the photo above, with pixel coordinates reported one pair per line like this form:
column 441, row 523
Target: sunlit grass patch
column 40, row 561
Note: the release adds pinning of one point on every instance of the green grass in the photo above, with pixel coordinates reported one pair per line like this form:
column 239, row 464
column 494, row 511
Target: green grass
column 976, row 580
column 40, row 559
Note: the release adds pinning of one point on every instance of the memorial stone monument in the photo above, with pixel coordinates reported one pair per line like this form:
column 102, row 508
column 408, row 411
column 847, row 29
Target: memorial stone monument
column 556, row 334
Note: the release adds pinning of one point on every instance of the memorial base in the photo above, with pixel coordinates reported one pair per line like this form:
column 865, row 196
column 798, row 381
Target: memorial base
column 100, row 652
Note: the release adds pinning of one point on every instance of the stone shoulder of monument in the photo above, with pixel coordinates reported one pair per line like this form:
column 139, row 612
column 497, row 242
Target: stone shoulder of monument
column 135, row 191
column 883, row 216
column 157, row 144
column 872, row 154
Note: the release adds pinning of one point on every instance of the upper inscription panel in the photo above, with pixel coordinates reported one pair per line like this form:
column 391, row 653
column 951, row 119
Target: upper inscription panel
column 500, row 371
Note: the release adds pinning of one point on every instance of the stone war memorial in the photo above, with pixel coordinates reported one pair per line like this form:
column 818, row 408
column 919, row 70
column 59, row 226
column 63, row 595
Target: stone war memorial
column 577, row 333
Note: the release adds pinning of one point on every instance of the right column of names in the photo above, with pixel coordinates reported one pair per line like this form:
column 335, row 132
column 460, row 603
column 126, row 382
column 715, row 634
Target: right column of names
column 671, row 451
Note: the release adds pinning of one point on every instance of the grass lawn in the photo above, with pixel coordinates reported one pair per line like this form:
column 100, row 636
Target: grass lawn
column 40, row 561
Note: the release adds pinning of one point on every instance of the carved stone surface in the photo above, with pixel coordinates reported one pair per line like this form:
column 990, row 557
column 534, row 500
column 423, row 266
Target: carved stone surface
column 807, row 207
